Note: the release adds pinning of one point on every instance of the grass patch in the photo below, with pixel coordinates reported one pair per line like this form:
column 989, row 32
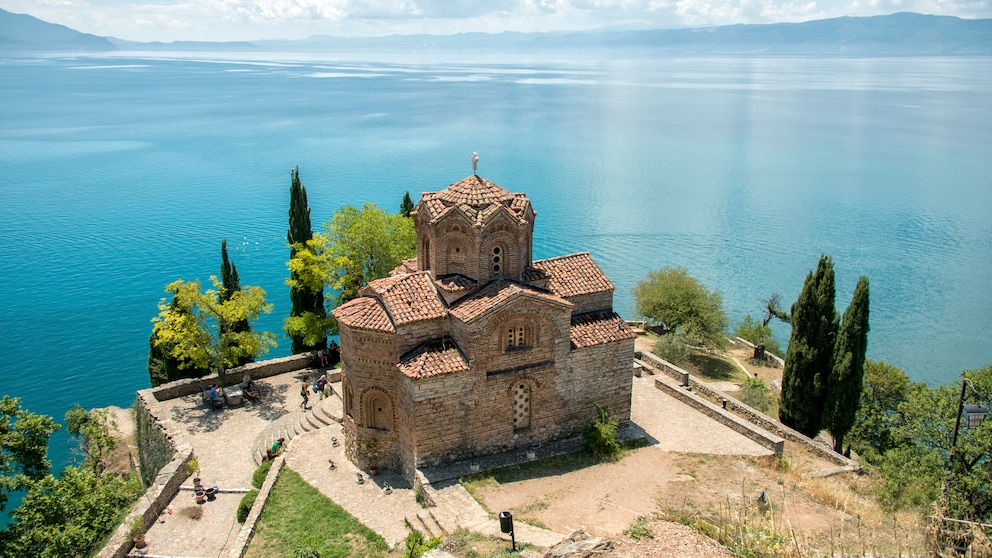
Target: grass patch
column 296, row 515
column 640, row 528
column 713, row 367
column 475, row 545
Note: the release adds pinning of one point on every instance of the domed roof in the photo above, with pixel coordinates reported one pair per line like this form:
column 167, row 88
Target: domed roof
column 476, row 197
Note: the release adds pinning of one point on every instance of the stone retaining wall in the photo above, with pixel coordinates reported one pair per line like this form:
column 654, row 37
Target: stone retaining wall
column 248, row 529
column 771, row 359
column 257, row 370
column 160, row 442
column 746, row 412
column 163, row 448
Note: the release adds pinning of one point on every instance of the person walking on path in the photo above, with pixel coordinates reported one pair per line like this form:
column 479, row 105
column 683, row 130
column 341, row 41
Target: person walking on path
column 306, row 396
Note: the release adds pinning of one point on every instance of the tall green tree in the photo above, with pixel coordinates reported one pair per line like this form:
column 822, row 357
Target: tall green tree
column 198, row 328
column 407, row 205
column 23, row 447
column 670, row 296
column 307, row 299
column 843, row 389
column 363, row 245
column 885, row 387
column 808, row 360
column 230, row 284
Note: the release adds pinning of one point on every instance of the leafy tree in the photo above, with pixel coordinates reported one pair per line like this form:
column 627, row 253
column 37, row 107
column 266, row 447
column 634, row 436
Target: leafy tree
column 95, row 431
column 843, row 390
column 885, row 388
column 363, row 245
column 757, row 333
column 310, row 271
column 199, row 330
column 71, row 515
column 163, row 367
column 926, row 424
column 808, row 361
column 672, row 297
column 673, row 347
column 407, row 205
column 307, row 299
column 23, row 447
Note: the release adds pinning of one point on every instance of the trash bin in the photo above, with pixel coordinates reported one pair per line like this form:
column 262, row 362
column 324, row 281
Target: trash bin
column 506, row 522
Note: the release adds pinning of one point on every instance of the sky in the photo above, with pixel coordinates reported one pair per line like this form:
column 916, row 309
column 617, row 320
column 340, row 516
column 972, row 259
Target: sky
column 232, row 20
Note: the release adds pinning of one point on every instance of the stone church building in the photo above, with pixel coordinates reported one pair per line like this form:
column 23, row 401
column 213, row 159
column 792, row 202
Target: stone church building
column 472, row 347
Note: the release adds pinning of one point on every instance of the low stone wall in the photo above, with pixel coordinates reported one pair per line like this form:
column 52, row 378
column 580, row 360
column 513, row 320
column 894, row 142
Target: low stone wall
column 771, row 359
column 744, row 411
column 257, row 370
column 159, row 438
column 735, row 423
column 248, row 529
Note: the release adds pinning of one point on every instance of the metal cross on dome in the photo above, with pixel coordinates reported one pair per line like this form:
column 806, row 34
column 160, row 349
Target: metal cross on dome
column 475, row 162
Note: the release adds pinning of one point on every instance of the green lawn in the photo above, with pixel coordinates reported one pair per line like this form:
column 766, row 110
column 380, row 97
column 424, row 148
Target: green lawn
column 298, row 515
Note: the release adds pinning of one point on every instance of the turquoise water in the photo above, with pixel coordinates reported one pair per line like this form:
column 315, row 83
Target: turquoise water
column 120, row 174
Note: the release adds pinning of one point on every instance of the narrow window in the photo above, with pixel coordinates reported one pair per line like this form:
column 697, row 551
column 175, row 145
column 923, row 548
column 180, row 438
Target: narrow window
column 521, row 406
column 497, row 257
column 516, row 337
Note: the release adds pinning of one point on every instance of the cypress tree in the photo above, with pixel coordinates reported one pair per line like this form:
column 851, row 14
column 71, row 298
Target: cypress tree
column 300, row 232
column 808, row 361
column 846, row 378
column 231, row 284
column 407, row 205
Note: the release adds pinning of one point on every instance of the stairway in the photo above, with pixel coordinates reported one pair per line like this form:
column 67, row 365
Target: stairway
column 323, row 412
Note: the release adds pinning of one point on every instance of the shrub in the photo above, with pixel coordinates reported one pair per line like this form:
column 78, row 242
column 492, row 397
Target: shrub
column 754, row 331
column 640, row 528
column 672, row 347
column 306, row 552
column 247, row 501
column 258, row 477
column 755, row 393
column 600, row 435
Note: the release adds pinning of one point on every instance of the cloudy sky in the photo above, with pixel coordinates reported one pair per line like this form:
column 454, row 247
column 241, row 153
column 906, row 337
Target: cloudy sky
column 219, row 20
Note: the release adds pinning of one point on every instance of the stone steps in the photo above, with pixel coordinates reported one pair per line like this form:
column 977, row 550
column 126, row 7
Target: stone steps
column 323, row 413
column 425, row 522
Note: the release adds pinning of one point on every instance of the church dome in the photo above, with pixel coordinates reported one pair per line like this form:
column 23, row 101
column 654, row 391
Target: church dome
column 476, row 197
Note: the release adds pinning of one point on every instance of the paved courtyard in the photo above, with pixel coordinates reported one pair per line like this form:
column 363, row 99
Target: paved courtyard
column 228, row 444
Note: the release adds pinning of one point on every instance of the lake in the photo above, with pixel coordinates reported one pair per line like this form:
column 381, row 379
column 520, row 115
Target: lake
column 121, row 173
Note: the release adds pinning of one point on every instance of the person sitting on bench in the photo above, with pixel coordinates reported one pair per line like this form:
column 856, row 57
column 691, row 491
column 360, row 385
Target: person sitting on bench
column 215, row 394
column 248, row 386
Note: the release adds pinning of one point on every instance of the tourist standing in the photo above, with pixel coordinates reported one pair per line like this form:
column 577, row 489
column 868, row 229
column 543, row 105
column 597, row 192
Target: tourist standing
column 306, row 396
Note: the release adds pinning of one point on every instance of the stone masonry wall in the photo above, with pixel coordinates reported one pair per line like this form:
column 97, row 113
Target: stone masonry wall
column 261, row 369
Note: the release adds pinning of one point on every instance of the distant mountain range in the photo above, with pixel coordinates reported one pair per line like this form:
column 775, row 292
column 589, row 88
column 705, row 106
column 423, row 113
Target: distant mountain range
column 890, row 35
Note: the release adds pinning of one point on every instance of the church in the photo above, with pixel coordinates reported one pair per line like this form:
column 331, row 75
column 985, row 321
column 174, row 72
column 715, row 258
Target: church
column 473, row 347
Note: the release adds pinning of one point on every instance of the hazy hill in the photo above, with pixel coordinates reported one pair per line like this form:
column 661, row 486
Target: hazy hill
column 896, row 34
column 24, row 32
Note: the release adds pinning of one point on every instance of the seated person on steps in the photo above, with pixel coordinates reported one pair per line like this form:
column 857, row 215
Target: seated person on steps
column 276, row 449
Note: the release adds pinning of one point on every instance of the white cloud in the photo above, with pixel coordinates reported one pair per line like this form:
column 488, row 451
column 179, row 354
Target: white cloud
column 258, row 19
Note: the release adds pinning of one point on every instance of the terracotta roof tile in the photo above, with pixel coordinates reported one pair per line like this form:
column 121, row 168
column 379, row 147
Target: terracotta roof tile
column 495, row 294
column 433, row 359
column 532, row 274
column 455, row 283
column 599, row 328
column 407, row 298
column 574, row 275
column 408, row 266
column 476, row 197
column 364, row 313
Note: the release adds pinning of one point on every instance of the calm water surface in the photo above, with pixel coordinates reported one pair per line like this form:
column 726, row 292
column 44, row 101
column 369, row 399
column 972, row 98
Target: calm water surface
column 120, row 174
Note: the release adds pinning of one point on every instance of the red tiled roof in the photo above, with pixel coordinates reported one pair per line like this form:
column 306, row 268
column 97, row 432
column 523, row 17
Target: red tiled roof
column 407, row 298
column 364, row 313
column 455, row 283
column 532, row 274
column 408, row 266
column 574, row 275
column 599, row 328
column 495, row 294
column 475, row 197
column 433, row 359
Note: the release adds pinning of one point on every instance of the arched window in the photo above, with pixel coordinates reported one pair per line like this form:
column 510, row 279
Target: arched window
column 497, row 258
column 521, row 406
column 517, row 337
